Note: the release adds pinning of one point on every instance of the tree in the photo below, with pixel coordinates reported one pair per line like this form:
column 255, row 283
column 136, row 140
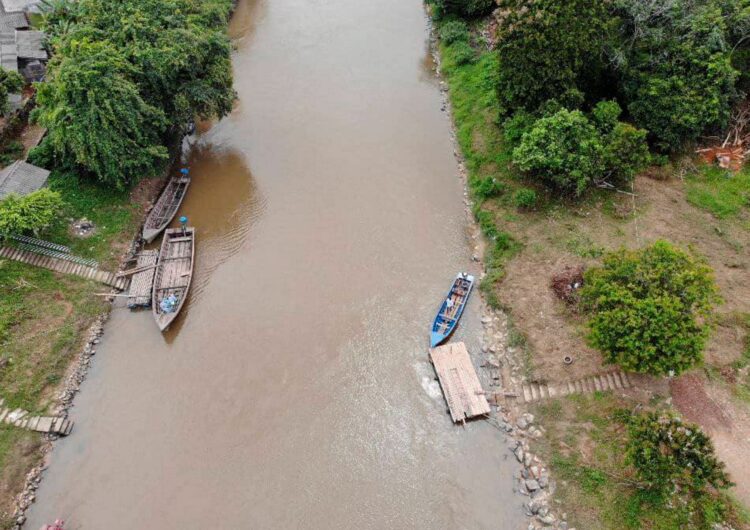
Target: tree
column 10, row 83
column 97, row 119
column 551, row 49
column 675, row 67
column 31, row 213
column 672, row 456
column 650, row 308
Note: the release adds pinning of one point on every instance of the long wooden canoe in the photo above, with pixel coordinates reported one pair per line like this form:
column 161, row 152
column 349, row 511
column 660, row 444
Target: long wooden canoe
column 174, row 271
column 451, row 309
column 166, row 206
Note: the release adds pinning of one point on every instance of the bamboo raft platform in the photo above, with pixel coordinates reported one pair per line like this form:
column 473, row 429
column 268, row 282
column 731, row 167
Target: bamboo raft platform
column 44, row 424
column 139, row 294
column 458, row 379
column 64, row 266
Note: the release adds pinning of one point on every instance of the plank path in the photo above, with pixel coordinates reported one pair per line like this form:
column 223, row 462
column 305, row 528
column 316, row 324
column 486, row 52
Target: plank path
column 458, row 379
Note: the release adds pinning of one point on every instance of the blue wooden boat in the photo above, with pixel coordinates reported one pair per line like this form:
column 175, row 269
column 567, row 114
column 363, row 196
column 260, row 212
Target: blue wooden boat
column 451, row 309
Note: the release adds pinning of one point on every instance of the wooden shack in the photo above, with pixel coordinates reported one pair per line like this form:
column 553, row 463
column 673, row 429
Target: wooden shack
column 459, row 382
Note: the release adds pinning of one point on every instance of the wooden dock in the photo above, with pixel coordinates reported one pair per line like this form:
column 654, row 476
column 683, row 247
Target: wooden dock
column 63, row 264
column 459, row 382
column 44, row 424
column 142, row 282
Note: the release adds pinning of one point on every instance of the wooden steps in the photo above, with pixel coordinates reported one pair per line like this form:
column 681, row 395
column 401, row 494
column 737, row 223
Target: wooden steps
column 64, row 266
column 616, row 380
column 44, row 424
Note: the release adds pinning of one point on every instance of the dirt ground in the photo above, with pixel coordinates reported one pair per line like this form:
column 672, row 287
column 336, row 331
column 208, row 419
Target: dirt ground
column 711, row 405
column 659, row 210
column 557, row 239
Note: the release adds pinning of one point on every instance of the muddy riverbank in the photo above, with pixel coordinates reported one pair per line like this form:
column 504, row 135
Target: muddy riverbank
column 296, row 390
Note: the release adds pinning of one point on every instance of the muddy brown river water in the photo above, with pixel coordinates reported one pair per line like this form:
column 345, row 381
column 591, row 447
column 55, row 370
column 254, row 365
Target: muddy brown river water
column 295, row 390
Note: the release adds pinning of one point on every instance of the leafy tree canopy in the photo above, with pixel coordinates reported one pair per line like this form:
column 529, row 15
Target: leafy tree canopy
column 10, row 83
column 650, row 308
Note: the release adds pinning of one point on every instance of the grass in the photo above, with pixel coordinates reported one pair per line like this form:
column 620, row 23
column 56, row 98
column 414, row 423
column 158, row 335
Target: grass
column 720, row 192
column 598, row 488
column 109, row 209
column 18, row 452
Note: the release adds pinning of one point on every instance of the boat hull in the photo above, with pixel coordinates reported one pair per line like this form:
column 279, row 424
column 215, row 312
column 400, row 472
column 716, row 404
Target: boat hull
column 165, row 208
column 174, row 273
column 451, row 309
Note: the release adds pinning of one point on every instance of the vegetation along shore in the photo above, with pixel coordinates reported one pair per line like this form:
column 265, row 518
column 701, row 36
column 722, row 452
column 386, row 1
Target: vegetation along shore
column 122, row 82
column 603, row 147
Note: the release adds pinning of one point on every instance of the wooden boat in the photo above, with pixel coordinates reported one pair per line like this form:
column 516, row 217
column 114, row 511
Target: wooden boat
column 174, row 271
column 166, row 206
column 451, row 309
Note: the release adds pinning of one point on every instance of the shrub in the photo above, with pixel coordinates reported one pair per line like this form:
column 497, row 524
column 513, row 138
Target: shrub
column 517, row 125
column 10, row 83
column 462, row 53
column 454, row 31
column 31, row 213
column 564, row 150
column 650, row 308
column 672, row 456
column 489, row 187
column 569, row 152
column 524, row 198
column 464, row 8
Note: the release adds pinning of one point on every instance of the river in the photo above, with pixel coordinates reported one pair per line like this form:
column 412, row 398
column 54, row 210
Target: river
column 295, row 390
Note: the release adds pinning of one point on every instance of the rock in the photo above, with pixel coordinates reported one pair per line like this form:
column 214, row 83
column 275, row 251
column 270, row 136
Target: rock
column 486, row 319
column 522, row 423
column 519, row 454
column 544, row 480
column 548, row 519
column 531, row 484
column 563, row 526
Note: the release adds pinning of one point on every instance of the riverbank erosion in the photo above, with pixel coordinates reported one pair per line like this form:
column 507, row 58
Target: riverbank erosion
column 538, row 240
column 329, row 224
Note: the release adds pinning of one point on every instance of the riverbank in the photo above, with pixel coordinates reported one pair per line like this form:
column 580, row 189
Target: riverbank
column 528, row 244
column 50, row 324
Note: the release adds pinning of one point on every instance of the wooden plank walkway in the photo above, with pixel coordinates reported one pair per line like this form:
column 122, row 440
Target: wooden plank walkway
column 616, row 380
column 459, row 382
column 45, row 424
column 141, row 284
column 64, row 266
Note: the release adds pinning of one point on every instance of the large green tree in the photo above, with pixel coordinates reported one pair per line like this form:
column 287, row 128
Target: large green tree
column 551, row 49
column 675, row 66
column 127, row 75
column 95, row 116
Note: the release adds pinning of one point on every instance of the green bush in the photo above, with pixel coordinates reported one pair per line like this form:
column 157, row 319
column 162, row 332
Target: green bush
column 489, row 187
column 462, row 53
column 454, row 31
column 650, row 308
column 673, row 457
column 569, row 152
column 517, row 125
column 464, row 8
column 10, row 83
column 29, row 214
column 564, row 150
column 524, row 198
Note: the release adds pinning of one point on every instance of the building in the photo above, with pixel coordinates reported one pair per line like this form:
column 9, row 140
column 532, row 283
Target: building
column 22, row 178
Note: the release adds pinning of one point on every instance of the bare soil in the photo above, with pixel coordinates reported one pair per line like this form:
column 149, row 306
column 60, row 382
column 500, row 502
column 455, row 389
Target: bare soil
column 556, row 240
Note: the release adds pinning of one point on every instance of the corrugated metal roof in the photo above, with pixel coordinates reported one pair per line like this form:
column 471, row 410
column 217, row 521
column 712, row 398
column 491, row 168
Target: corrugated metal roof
column 22, row 178
column 12, row 21
column 21, row 5
column 30, row 45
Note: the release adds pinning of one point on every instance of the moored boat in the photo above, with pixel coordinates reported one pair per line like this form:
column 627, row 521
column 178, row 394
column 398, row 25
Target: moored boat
column 174, row 272
column 166, row 206
column 451, row 309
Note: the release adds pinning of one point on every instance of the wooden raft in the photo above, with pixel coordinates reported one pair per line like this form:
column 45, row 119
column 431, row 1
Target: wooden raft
column 459, row 382
column 142, row 282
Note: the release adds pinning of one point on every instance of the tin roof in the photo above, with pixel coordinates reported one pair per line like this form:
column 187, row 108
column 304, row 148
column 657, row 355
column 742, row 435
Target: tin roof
column 22, row 178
